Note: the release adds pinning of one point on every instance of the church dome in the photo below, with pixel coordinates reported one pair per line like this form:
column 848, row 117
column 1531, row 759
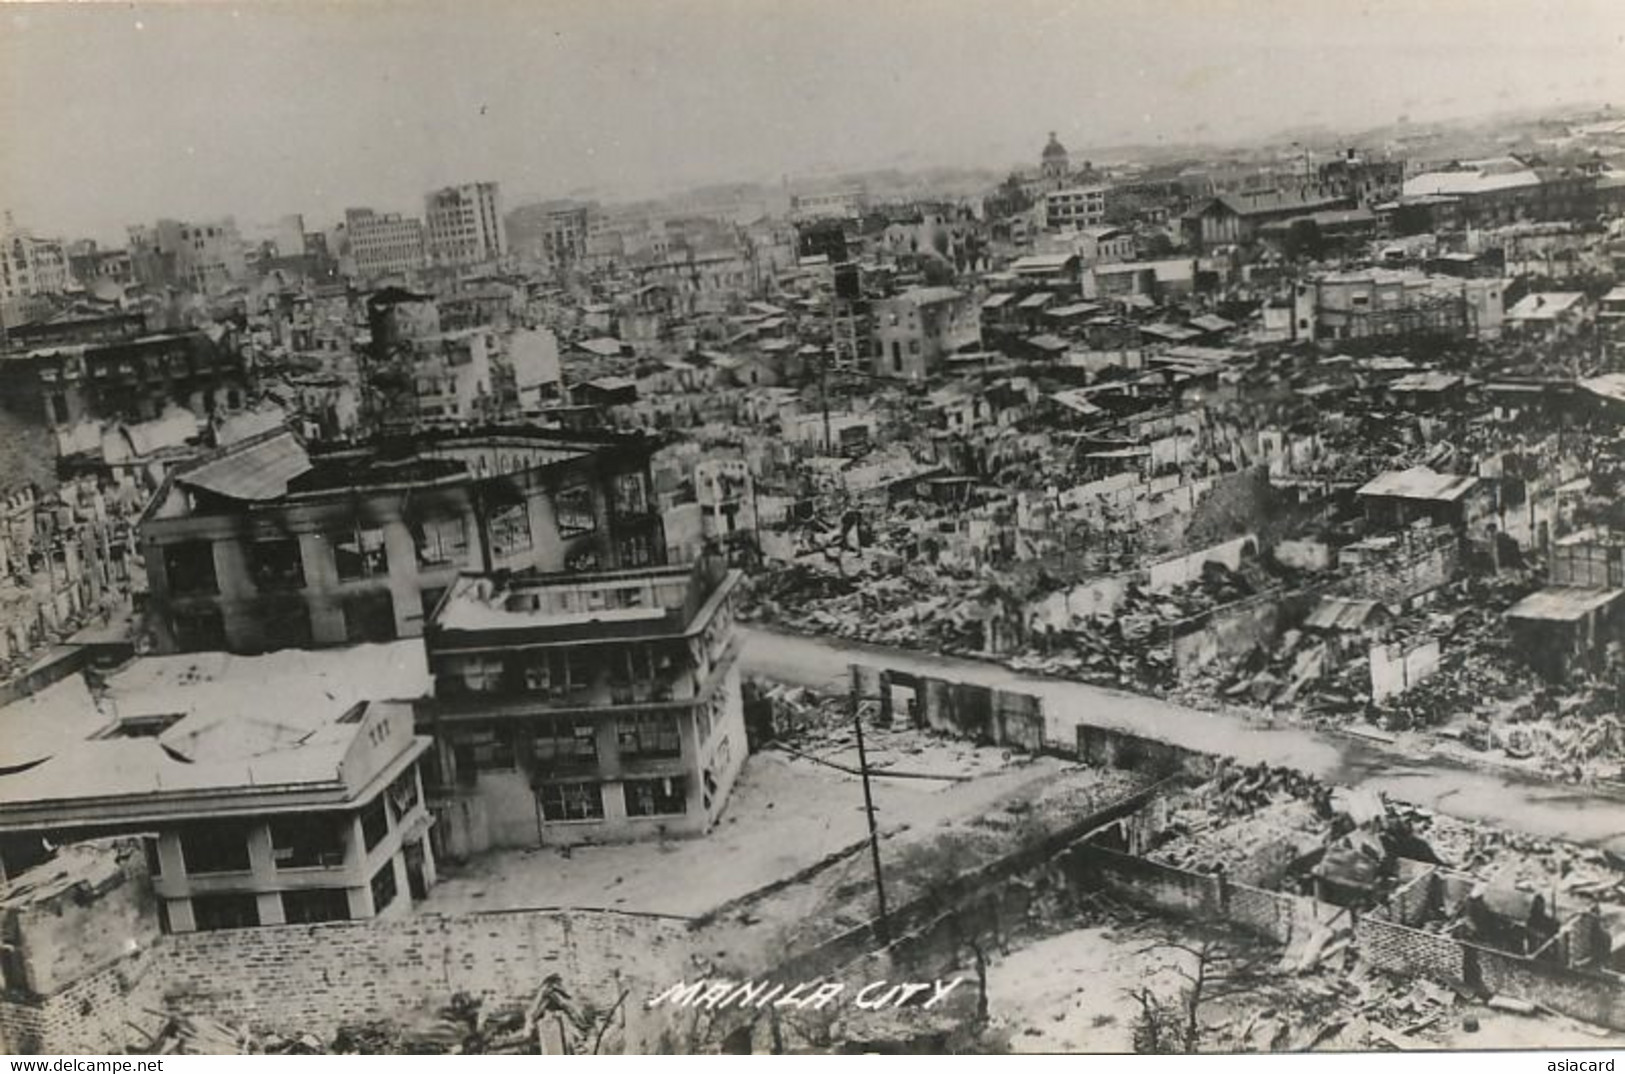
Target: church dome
column 1054, row 150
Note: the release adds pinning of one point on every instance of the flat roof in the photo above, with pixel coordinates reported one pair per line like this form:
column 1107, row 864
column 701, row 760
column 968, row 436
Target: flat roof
column 491, row 611
column 233, row 728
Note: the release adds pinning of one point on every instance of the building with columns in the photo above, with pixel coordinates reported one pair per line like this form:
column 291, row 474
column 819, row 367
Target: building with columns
column 270, row 790
column 266, row 545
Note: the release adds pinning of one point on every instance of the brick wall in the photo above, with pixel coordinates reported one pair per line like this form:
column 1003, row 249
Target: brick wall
column 1275, row 915
column 1412, row 902
column 88, row 1016
column 1409, row 951
column 316, row 978
column 1590, row 997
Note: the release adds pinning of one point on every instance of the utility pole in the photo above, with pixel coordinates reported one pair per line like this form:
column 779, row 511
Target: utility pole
column 869, row 810
column 823, row 395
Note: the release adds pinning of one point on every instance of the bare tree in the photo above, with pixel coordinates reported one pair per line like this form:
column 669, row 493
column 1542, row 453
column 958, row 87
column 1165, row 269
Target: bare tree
column 1174, row 1024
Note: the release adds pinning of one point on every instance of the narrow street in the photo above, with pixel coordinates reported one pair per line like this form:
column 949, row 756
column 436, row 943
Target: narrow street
column 1585, row 815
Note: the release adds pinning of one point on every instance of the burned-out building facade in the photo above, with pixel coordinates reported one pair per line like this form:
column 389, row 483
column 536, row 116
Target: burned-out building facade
column 268, row 544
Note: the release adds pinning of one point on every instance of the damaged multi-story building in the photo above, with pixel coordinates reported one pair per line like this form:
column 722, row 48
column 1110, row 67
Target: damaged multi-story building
column 584, row 708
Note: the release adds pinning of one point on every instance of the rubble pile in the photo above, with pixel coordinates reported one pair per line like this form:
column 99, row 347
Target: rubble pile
column 1522, row 861
column 1241, row 816
column 1204, row 843
column 913, row 607
column 466, row 1025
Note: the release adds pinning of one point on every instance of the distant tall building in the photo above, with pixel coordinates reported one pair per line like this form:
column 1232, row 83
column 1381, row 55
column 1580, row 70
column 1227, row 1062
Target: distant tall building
column 30, row 265
column 464, row 224
column 553, row 233
column 205, row 256
column 289, row 236
column 383, row 244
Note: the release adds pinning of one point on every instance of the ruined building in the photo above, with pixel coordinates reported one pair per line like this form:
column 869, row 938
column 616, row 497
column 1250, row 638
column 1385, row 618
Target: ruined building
column 586, row 708
column 270, row 545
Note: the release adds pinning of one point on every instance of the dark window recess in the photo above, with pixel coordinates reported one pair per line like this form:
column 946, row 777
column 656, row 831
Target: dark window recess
column 571, row 801
column 635, row 551
column 383, row 887
column 163, row 917
column 276, row 564
column 360, row 554
column 403, row 793
column 155, row 864
column 315, row 905
column 556, row 673
column 649, row 736
column 369, row 617
column 656, row 797
column 213, row 912
column 374, row 822
column 220, row 847
column 441, row 540
column 631, row 495
column 431, row 598
column 575, row 513
column 13, row 964
column 308, row 840
column 484, row 749
column 189, row 566
column 287, row 626
column 562, row 740
column 199, row 630
column 510, row 530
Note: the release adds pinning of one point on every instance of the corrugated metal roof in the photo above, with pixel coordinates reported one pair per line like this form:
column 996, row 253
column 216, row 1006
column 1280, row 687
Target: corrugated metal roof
column 1427, row 382
column 1339, row 613
column 998, row 300
column 1043, row 263
column 257, row 469
column 1609, row 386
column 1563, row 604
column 1419, row 483
column 1034, row 300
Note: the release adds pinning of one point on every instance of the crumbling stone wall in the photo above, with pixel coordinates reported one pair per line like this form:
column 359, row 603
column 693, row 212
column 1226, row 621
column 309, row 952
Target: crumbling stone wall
column 1145, row 882
column 1108, row 748
column 1593, row 997
column 1227, row 632
column 86, row 1017
column 1432, row 560
column 964, row 710
column 1393, row 670
column 1274, row 915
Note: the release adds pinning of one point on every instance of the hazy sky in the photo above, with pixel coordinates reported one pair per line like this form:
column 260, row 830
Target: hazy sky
column 111, row 114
